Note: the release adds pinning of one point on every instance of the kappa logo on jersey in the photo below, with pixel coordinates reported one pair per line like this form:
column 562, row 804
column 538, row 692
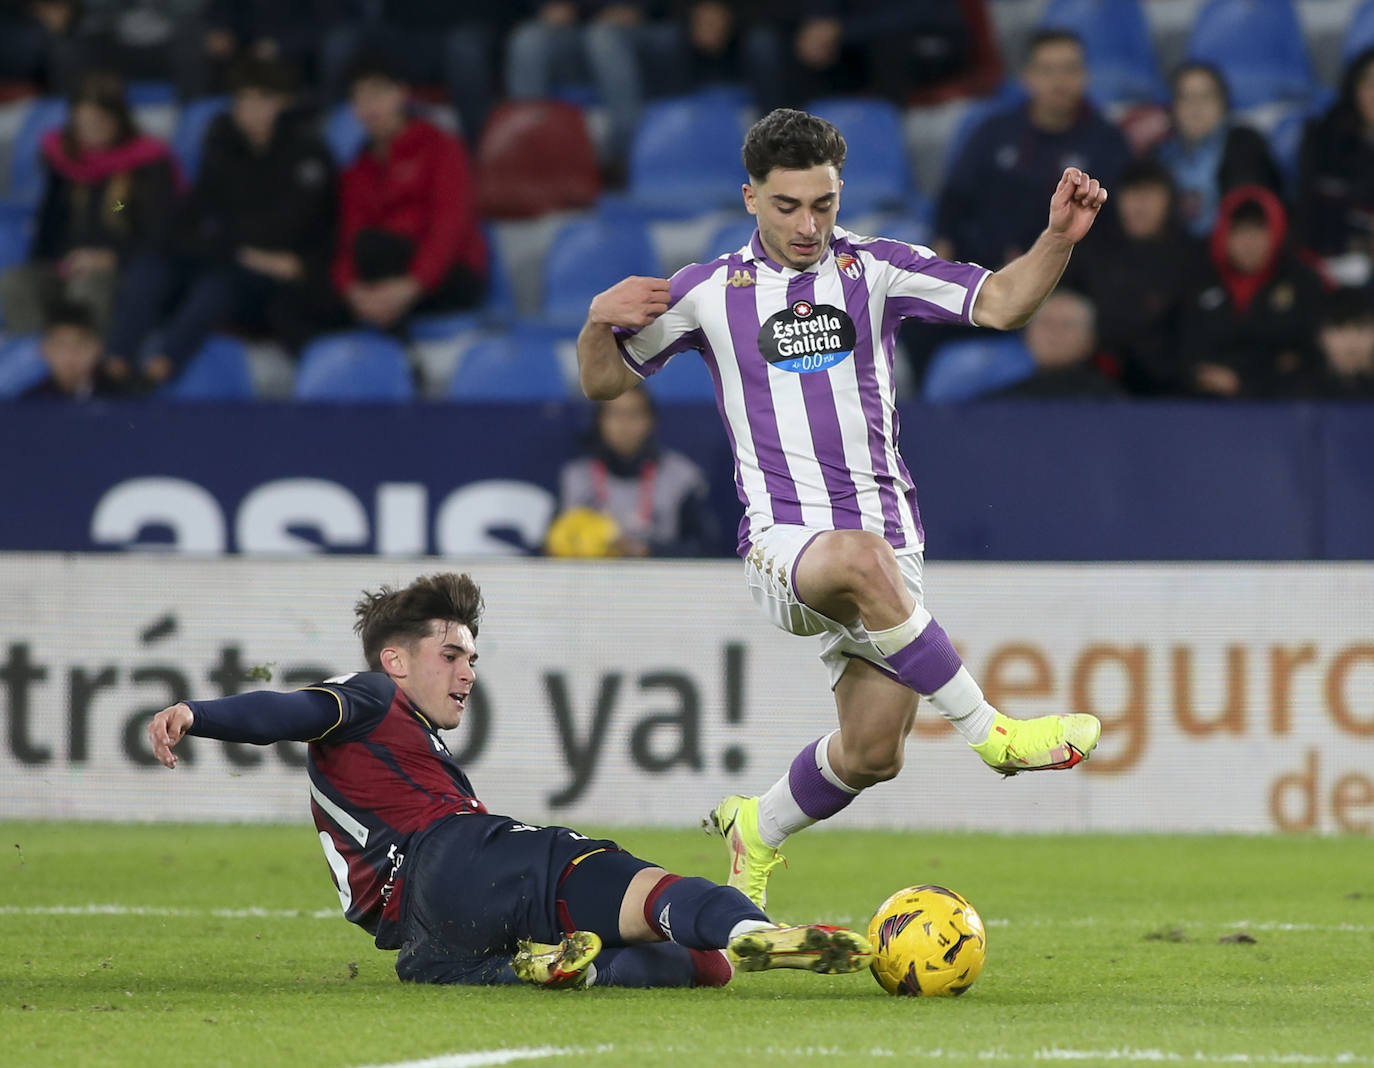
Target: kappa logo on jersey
column 849, row 265
column 740, row 279
column 806, row 337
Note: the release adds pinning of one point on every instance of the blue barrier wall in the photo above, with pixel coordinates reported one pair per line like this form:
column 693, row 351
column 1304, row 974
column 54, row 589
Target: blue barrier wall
column 1029, row 481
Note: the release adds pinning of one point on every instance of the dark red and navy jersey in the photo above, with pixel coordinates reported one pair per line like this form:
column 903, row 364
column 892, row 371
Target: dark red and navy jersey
column 379, row 775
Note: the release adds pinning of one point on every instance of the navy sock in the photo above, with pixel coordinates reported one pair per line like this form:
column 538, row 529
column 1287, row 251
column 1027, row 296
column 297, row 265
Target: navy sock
column 660, row 964
column 696, row 912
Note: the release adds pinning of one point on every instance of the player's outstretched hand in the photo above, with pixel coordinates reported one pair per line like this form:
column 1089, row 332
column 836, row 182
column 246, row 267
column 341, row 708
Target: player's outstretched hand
column 166, row 729
column 1075, row 204
column 631, row 303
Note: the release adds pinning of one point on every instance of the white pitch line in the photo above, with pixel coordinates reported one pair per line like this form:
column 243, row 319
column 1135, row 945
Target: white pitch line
column 251, row 913
column 477, row 1058
column 1056, row 1053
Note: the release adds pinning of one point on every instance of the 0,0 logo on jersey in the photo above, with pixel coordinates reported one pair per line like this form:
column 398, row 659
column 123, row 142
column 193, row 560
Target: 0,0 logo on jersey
column 805, row 337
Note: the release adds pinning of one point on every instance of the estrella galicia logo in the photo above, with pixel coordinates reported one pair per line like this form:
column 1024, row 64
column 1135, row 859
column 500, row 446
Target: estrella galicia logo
column 806, row 337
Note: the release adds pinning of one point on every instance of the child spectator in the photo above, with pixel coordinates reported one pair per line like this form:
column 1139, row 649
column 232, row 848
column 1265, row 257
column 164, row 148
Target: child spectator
column 72, row 349
column 656, row 498
column 1249, row 319
column 1345, row 337
column 1134, row 272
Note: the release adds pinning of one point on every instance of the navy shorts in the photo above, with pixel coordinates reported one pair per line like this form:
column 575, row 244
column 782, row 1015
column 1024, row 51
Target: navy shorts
column 476, row 884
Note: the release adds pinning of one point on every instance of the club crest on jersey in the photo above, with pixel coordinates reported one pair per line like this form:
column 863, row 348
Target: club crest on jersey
column 849, row 265
column 805, row 337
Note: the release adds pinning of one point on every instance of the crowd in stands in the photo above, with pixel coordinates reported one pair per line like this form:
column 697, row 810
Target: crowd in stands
column 350, row 171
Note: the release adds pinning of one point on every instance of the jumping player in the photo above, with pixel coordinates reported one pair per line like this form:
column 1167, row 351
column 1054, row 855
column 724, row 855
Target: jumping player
column 467, row 896
column 797, row 331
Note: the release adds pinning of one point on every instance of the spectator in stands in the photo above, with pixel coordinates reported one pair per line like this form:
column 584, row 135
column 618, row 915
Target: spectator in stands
column 436, row 42
column 145, row 41
column 288, row 31
column 1249, row 319
column 72, row 349
column 1208, row 153
column 108, row 202
column 657, row 498
column 1335, row 204
column 1062, row 340
column 35, row 42
column 409, row 237
column 618, row 46
column 899, row 50
column 992, row 206
column 1345, row 337
column 254, row 236
column 735, row 43
column 1135, row 272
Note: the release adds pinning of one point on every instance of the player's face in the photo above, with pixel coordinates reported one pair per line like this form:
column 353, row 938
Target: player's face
column 437, row 672
column 796, row 211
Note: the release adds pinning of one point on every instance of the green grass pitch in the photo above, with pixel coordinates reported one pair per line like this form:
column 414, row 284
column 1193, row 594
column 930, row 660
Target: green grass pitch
column 222, row 945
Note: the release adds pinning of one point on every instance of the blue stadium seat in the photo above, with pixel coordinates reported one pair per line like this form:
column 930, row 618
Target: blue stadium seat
column 1285, row 142
column 877, row 173
column 26, row 166
column 357, row 365
column 728, row 237
column 219, row 371
column 588, row 256
column 1359, row 32
column 685, row 155
column 188, row 138
column 1116, row 39
column 150, row 94
column 963, row 370
column 1259, row 46
column 21, row 365
column 913, row 229
column 344, row 134
column 518, row 366
column 16, row 232
column 683, row 380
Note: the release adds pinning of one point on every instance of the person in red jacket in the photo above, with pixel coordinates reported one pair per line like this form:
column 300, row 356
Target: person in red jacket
column 409, row 237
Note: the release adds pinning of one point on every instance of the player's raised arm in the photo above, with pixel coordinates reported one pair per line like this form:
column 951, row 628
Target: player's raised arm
column 259, row 718
column 1011, row 296
column 632, row 304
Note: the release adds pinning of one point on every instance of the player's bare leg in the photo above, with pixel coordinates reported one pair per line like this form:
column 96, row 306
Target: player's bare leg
column 852, row 576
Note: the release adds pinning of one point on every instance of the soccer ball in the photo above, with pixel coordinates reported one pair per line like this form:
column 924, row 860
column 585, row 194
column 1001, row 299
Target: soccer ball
column 927, row 942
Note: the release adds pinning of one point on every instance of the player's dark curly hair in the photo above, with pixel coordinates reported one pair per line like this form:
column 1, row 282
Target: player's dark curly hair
column 793, row 140
column 391, row 616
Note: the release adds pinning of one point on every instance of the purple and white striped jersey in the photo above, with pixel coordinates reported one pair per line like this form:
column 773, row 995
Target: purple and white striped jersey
column 802, row 365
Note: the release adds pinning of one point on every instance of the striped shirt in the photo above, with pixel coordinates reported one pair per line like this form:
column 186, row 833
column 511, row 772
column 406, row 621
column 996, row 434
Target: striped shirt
column 802, row 365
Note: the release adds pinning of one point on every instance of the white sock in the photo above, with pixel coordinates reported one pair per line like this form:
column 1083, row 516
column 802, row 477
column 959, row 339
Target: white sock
column 961, row 701
column 779, row 813
column 903, row 634
column 745, row 926
column 591, row 974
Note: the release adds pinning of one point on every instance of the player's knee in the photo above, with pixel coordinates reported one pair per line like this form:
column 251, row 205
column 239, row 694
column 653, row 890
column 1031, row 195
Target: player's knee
column 867, row 563
column 876, row 762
